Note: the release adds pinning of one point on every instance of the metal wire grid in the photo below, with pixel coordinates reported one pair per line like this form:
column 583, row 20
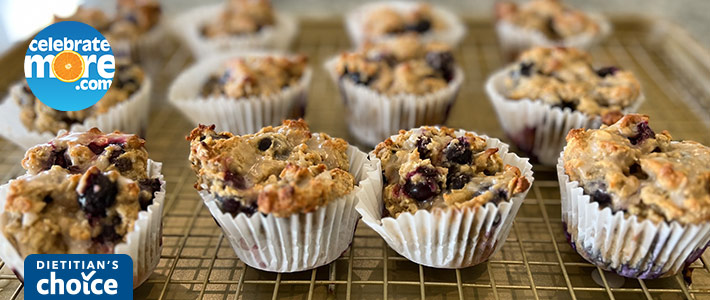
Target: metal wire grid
column 535, row 262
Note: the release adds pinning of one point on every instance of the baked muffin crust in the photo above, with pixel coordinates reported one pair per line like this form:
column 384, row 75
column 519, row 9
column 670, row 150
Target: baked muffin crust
column 78, row 151
column 385, row 21
column 429, row 168
column 401, row 65
column 255, row 76
column 241, row 17
column 629, row 167
column 565, row 78
column 279, row 170
column 549, row 17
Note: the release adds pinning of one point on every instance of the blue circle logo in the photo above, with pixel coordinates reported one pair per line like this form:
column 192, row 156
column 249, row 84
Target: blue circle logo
column 69, row 66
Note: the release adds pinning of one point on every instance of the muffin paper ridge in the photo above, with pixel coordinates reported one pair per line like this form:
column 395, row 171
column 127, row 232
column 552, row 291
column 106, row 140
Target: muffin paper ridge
column 373, row 116
column 535, row 127
column 240, row 116
column 623, row 244
column 187, row 27
column 450, row 238
column 301, row 241
column 452, row 35
column 129, row 116
column 143, row 244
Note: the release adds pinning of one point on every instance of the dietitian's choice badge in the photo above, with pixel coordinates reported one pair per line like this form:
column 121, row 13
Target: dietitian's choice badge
column 69, row 66
column 78, row 276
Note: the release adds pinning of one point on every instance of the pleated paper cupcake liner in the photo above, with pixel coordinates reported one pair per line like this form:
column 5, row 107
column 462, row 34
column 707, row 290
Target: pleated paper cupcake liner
column 452, row 33
column 188, row 26
column 373, row 116
column 536, row 128
column 450, row 238
column 626, row 245
column 301, row 241
column 239, row 116
column 514, row 39
column 129, row 116
column 143, row 244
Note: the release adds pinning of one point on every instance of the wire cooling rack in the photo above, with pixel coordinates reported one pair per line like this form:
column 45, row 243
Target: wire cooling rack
column 535, row 263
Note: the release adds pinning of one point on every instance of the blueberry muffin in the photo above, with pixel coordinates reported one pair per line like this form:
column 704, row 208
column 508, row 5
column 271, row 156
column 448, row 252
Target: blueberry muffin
column 386, row 21
column 632, row 169
column 255, row 76
column 56, row 211
column 241, row 17
column 566, row 78
column 133, row 18
column 403, row 65
column 633, row 201
column 36, row 116
column 77, row 152
column 550, row 17
column 280, row 171
column 430, row 168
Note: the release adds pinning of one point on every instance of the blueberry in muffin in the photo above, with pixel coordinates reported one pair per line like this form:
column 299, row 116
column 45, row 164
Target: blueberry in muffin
column 281, row 170
column 77, row 152
column 255, row 76
column 401, row 65
column 429, row 168
column 37, row 116
column 58, row 211
column 633, row 169
column 566, row 78
column 386, row 20
column 241, row 17
column 550, row 17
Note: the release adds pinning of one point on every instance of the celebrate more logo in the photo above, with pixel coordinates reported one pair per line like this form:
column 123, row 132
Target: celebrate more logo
column 69, row 66
column 78, row 276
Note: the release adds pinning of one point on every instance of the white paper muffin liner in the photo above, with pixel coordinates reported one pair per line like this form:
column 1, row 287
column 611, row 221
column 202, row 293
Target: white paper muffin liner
column 239, row 116
column 514, row 39
column 143, row 244
column 188, row 26
column 624, row 244
column 450, row 238
column 452, row 33
column 129, row 116
column 301, row 241
column 373, row 116
column 537, row 128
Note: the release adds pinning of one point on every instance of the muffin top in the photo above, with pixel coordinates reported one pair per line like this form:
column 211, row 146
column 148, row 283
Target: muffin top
column 255, row 76
column 133, row 18
column 630, row 168
column 565, row 78
column 82, row 194
column 78, row 151
column 37, row 116
column 549, row 17
column 385, row 20
column 403, row 65
column 279, row 170
column 428, row 168
column 241, row 17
